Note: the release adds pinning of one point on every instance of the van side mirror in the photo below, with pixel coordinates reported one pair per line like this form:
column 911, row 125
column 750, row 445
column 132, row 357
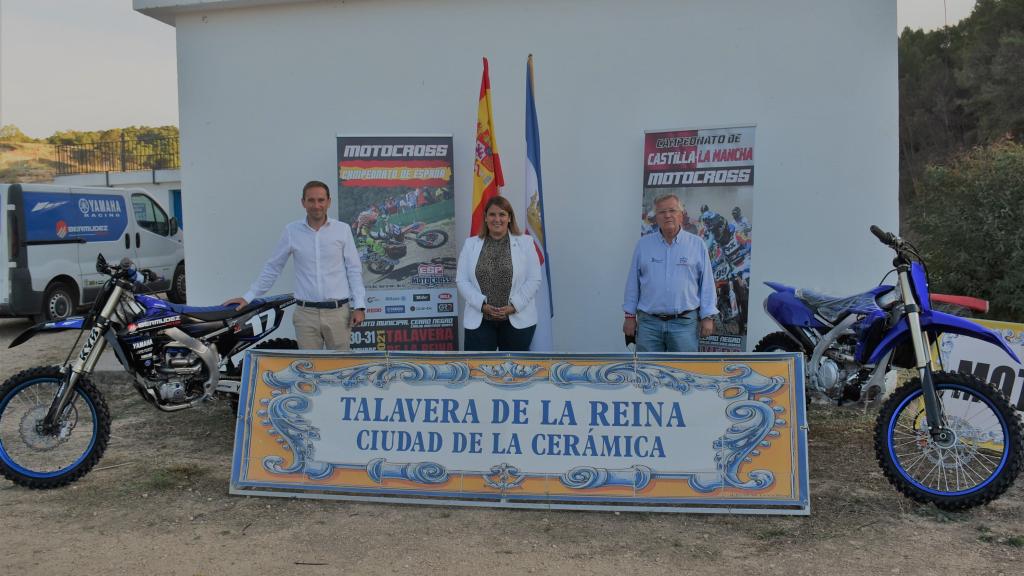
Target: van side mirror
column 173, row 224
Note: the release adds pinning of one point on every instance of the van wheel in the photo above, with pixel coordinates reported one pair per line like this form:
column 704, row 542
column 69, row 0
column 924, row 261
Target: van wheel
column 176, row 293
column 59, row 303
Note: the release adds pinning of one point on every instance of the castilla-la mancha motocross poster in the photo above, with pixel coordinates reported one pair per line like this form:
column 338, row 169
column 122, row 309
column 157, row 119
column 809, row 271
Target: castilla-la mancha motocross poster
column 712, row 173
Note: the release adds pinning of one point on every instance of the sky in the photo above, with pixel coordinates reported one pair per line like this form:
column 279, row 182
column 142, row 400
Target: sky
column 97, row 64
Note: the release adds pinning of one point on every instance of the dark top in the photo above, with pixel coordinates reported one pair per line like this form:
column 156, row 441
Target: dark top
column 494, row 270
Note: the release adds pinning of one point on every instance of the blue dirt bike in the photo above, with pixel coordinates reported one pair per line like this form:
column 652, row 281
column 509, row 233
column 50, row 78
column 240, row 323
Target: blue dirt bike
column 55, row 424
column 943, row 437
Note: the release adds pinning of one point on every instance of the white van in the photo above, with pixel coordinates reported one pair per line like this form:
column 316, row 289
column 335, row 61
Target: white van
column 50, row 236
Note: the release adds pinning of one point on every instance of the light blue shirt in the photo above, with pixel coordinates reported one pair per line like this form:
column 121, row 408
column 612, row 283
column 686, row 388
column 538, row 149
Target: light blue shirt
column 670, row 278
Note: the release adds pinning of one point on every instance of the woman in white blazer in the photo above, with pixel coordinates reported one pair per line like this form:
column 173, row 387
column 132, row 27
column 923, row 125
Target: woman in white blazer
column 498, row 275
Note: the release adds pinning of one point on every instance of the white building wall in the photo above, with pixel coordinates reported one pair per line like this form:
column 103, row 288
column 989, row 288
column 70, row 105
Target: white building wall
column 265, row 89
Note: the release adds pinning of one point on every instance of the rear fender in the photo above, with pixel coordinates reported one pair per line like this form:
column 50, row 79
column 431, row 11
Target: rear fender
column 73, row 323
column 937, row 323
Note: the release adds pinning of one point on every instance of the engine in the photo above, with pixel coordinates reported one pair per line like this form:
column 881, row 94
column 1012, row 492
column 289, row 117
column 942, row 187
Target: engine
column 838, row 369
column 180, row 374
column 176, row 374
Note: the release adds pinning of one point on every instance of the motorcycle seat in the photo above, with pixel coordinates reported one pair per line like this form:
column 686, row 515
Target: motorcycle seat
column 212, row 313
column 832, row 308
column 206, row 313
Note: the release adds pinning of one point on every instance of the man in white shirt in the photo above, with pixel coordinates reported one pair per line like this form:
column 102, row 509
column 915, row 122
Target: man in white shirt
column 328, row 274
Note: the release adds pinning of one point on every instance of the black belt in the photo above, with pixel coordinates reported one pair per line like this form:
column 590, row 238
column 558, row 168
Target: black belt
column 327, row 304
column 667, row 317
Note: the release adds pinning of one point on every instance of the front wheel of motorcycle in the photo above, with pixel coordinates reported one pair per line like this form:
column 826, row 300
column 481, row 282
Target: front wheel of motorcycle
column 973, row 466
column 379, row 266
column 32, row 457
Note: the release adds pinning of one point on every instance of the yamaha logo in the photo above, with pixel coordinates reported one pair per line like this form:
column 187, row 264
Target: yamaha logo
column 100, row 207
column 141, row 344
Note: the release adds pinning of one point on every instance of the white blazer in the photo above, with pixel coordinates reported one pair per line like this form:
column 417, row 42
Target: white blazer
column 525, row 282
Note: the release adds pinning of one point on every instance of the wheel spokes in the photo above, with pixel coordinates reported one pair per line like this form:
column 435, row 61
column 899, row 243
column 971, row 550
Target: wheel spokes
column 969, row 462
column 23, row 444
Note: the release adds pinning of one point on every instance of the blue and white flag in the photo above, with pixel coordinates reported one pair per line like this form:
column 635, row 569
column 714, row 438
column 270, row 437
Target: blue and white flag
column 542, row 337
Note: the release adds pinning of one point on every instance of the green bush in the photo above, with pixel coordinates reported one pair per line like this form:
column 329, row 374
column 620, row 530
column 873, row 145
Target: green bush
column 966, row 220
column 11, row 133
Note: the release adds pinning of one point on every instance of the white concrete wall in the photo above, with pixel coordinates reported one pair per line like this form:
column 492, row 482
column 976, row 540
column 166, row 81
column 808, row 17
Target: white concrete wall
column 264, row 91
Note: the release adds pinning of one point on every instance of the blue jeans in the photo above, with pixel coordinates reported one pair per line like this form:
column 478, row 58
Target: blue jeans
column 676, row 335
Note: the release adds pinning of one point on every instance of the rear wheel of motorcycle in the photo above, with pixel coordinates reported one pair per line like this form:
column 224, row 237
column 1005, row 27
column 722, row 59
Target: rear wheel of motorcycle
column 432, row 238
column 778, row 342
column 272, row 344
column 31, row 458
column 782, row 342
column 976, row 466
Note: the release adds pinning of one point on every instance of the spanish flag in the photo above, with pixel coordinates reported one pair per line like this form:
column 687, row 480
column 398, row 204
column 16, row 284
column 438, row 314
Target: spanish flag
column 487, row 177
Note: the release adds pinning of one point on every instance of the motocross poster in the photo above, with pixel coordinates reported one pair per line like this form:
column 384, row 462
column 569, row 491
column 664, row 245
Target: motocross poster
column 712, row 173
column 397, row 194
column 988, row 361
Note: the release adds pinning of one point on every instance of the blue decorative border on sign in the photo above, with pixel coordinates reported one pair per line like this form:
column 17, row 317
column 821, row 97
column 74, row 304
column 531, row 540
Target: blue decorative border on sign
column 753, row 419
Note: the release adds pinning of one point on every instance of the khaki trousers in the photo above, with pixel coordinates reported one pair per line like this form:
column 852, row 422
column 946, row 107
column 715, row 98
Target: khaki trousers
column 319, row 328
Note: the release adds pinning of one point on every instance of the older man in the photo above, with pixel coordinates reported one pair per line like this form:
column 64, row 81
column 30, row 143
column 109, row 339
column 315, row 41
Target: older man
column 669, row 300
column 328, row 274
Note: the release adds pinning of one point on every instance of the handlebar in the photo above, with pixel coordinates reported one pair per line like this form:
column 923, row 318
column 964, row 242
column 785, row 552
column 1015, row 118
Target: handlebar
column 125, row 270
column 905, row 251
column 887, row 238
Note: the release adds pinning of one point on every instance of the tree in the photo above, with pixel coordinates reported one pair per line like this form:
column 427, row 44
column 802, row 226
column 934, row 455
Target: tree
column 967, row 223
column 960, row 87
column 11, row 133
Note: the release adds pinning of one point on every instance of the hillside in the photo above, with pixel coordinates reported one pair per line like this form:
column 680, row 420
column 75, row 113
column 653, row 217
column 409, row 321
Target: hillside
column 27, row 162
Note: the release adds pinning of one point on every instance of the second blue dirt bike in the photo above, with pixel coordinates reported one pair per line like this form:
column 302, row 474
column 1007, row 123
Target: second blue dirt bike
column 942, row 437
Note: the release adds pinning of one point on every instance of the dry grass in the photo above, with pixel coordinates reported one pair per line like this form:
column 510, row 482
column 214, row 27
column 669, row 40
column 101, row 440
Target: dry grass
column 27, row 162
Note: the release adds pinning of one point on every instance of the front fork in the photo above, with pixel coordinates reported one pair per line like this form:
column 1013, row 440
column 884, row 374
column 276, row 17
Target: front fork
column 84, row 364
column 922, row 356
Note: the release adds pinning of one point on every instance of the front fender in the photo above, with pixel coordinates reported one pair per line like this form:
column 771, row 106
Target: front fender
column 937, row 323
column 73, row 323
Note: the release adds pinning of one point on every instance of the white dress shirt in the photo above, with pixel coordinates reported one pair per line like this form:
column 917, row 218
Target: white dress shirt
column 327, row 265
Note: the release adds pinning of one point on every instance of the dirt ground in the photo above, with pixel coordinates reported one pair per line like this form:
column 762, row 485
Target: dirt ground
column 157, row 503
